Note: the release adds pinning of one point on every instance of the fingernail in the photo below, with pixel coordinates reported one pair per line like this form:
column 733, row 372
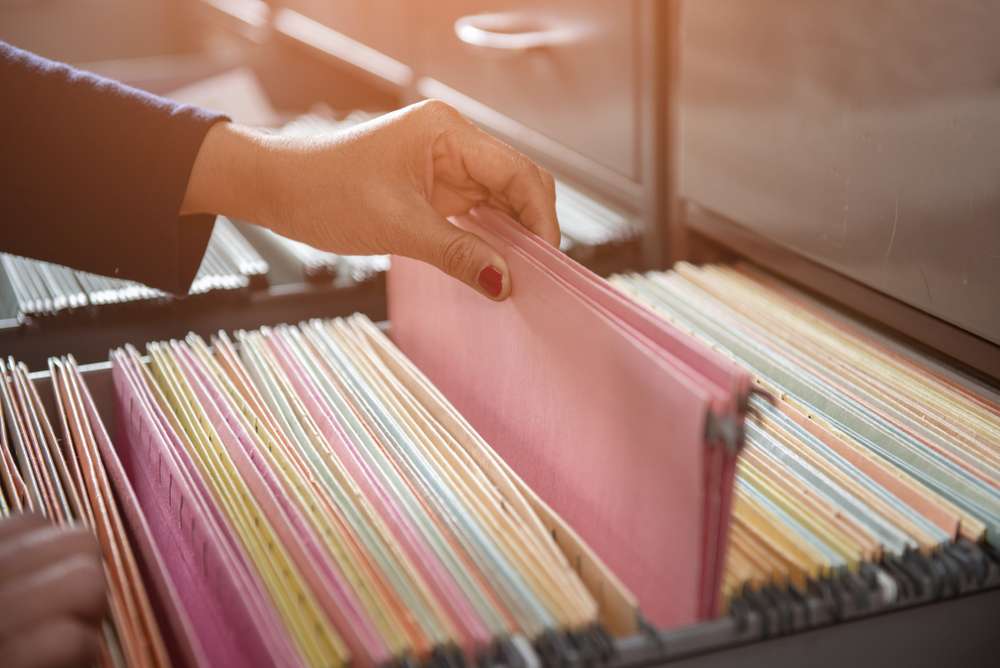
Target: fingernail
column 491, row 280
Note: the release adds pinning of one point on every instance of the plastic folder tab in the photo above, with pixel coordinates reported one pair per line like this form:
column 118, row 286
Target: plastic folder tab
column 622, row 423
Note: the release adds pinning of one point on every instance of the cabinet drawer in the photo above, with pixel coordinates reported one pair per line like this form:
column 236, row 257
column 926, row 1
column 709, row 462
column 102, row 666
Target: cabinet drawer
column 373, row 35
column 565, row 69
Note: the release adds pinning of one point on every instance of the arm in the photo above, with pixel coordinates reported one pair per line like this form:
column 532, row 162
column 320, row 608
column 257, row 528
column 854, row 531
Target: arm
column 385, row 186
column 93, row 173
column 106, row 178
column 51, row 593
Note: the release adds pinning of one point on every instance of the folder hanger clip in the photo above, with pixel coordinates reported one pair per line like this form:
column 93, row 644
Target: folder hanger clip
column 446, row 656
column 515, row 652
column 747, row 407
column 556, row 650
column 592, row 644
column 650, row 631
column 727, row 429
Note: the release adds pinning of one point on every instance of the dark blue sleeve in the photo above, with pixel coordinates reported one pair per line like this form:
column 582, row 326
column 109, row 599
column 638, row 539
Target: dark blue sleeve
column 94, row 173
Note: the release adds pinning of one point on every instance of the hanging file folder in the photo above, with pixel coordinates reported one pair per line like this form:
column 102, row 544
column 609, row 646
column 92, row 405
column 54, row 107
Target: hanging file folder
column 625, row 425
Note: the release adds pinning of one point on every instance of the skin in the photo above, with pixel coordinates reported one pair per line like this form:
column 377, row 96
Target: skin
column 52, row 594
column 386, row 186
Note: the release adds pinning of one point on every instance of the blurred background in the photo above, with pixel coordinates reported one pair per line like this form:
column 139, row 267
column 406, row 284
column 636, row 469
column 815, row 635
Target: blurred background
column 851, row 147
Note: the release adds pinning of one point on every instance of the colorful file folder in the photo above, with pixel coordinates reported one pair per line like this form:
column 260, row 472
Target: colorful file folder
column 68, row 479
column 317, row 503
column 872, row 453
column 625, row 425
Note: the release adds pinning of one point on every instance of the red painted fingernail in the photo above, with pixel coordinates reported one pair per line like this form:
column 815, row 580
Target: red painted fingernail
column 491, row 280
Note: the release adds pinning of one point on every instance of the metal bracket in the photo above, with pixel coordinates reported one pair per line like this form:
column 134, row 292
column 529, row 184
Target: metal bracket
column 727, row 430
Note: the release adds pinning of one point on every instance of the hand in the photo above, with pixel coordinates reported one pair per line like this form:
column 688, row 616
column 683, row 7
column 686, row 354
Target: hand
column 385, row 186
column 52, row 596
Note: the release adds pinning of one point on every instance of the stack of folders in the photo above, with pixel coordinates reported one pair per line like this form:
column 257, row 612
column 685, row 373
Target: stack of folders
column 322, row 266
column 67, row 481
column 625, row 424
column 871, row 456
column 585, row 222
column 43, row 288
column 316, row 501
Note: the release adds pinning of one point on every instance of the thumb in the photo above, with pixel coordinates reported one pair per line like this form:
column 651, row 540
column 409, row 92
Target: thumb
column 460, row 254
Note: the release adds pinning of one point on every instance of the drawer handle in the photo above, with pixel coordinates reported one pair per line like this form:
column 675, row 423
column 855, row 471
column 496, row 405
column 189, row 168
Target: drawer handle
column 498, row 31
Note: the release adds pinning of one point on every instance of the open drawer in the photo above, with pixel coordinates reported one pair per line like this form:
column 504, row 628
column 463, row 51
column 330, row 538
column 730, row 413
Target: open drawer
column 852, row 625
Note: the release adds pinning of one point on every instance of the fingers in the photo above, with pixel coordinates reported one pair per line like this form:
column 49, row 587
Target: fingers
column 458, row 253
column 54, row 643
column 20, row 523
column 73, row 586
column 41, row 545
column 511, row 176
column 52, row 594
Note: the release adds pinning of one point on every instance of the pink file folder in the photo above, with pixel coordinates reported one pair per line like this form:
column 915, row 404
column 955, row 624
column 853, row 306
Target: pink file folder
column 602, row 408
column 182, row 641
column 223, row 600
column 320, row 572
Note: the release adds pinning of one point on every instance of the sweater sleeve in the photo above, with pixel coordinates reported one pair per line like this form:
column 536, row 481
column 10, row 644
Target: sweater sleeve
column 94, row 173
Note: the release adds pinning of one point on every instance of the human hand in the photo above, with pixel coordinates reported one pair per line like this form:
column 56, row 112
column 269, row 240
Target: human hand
column 52, row 596
column 385, row 186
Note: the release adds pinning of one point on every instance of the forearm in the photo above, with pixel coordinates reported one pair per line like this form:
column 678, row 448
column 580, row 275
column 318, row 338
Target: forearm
column 268, row 179
column 229, row 174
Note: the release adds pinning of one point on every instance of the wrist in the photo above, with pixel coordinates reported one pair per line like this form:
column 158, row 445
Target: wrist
column 230, row 175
